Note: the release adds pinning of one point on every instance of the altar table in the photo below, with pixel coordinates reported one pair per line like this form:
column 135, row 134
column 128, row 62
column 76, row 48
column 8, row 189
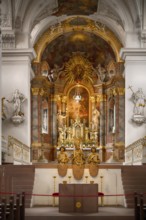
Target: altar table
column 80, row 198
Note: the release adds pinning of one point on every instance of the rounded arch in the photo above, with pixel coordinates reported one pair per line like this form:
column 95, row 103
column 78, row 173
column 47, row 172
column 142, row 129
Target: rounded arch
column 68, row 88
column 65, row 27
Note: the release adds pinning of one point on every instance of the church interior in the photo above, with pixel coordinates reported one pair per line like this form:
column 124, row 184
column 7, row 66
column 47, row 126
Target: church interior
column 73, row 106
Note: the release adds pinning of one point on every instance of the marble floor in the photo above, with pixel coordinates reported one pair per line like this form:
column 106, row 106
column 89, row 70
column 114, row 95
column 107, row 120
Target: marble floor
column 104, row 213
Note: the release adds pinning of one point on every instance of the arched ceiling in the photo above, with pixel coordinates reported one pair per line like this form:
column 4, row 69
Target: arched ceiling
column 91, row 46
column 33, row 17
column 85, row 33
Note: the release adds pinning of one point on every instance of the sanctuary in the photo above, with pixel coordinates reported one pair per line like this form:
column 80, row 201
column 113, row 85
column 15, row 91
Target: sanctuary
column 73, row 100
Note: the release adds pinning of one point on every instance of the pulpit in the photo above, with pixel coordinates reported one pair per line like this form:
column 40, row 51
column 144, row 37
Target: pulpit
column 81, row 198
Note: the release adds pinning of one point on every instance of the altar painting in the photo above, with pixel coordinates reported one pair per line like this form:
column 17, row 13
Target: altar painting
column 78, row 109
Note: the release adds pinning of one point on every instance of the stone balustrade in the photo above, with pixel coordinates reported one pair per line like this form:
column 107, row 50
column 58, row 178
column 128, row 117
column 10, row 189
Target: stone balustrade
column 135, row 153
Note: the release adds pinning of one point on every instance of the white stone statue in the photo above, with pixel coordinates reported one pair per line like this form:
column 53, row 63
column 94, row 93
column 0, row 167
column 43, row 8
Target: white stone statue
column 139, row 100
column 17, row 100
column 95, row 119
column 101, row 73
column 61, row 119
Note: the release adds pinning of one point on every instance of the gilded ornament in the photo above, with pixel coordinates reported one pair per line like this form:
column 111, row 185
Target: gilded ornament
column 101, row 98
column 78, row 69
column 64, row 99
column 35, row 91
column 121, row 91
column 92, row 98
column 78, row 205
column 36, row 144
column 115, row 91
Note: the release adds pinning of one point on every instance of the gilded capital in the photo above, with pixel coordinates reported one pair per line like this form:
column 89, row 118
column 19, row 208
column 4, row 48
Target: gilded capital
column 35, row 91
column 64, row 99
column 101, row 98
column 43, row 92
column 121, row 91
column 92, row 98
column 36, row 144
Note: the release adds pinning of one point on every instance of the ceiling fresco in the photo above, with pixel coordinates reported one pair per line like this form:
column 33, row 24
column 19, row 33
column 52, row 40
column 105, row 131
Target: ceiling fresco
column 74, row 7
column 94, row 48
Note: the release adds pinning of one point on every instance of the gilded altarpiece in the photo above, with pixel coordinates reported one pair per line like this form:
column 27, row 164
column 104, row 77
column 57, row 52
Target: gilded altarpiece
column 80, row 76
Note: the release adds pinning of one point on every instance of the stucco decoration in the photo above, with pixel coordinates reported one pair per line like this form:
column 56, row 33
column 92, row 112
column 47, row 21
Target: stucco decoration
column 139, row 100
column 17, row 99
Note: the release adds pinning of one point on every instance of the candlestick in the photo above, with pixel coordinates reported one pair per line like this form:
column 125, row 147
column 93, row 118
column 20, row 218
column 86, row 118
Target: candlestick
column 86, row 178
column 54, row 190
column 69, row 177
column 101, row 182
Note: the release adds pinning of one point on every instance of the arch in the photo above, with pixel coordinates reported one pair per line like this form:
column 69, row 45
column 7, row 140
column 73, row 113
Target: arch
column 65, row 27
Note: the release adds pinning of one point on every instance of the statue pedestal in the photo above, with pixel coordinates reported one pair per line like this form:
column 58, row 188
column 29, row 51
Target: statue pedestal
column 17, row 119
column 139, row 119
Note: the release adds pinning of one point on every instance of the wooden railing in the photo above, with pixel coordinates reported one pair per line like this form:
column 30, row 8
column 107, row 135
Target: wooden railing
column 140, row 206
column 135, row 153
column 14, row 208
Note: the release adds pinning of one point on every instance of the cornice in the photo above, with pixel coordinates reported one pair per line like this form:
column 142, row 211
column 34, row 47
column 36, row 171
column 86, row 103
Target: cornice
column 126, row 53
column 12, row 53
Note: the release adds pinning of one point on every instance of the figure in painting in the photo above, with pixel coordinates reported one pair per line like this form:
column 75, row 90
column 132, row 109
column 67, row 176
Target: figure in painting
column 78, row 157
column 93, row 157
column 17, row 100
column 62, row 156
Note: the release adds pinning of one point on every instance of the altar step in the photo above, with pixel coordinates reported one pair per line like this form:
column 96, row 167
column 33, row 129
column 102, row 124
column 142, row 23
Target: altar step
column 104, row 213
column 17, row 179
column 134, row 180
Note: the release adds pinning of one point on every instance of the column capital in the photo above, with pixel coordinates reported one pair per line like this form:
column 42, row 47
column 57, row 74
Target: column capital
column 132, row 54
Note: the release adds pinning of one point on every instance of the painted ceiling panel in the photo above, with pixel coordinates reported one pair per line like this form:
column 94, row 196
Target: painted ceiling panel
column 74, row 7
column 93, row 47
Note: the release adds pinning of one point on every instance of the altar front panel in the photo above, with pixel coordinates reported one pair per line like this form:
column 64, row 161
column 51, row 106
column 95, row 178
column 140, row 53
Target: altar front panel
column 82, row 198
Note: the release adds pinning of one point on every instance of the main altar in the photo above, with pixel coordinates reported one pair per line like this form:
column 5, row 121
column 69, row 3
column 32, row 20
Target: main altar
column 78, row 93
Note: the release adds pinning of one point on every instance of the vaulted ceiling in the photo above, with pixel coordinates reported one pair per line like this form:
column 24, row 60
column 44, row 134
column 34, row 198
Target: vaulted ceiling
column 33, row 17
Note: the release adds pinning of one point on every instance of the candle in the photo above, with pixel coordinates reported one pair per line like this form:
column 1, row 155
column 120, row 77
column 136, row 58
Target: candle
column 113, row 130
column 114, row 115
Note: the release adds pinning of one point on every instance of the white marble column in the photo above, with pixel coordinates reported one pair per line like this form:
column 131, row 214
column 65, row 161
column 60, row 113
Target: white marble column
column 135, row 76
column 17, row 74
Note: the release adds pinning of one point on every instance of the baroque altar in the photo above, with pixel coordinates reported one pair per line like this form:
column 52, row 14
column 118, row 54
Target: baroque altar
column 78, row 130
column 80, row 101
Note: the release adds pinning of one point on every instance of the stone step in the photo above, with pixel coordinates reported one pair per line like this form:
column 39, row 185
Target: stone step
column 18, row 179
column 134, row 180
